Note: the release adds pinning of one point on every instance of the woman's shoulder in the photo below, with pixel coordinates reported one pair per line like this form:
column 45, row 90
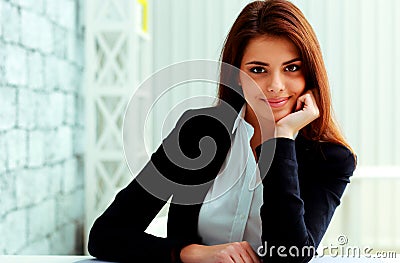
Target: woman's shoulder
column 212, row 115
column 203, row 111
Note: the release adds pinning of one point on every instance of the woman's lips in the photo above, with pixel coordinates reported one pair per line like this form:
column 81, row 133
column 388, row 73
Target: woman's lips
column 277, row 102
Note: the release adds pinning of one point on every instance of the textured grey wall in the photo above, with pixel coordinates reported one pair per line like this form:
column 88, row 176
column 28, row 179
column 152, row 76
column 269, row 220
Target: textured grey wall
column 41, row 127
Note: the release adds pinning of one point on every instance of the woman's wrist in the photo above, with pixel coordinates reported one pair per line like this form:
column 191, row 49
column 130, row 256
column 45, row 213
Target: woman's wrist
column 282, row 132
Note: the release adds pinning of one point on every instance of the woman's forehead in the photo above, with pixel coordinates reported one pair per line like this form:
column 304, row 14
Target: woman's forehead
column 274, row 48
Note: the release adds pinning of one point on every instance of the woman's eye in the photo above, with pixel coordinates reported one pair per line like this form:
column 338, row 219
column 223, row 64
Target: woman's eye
column 258, row 70
column 292, row 68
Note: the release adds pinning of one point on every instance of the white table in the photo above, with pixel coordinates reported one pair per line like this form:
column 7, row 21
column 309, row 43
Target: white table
column 89, row 259
column 47, row 259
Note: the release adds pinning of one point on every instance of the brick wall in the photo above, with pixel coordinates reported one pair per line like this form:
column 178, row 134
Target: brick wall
column 41, row 126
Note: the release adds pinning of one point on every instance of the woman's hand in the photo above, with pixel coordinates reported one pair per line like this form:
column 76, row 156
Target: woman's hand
column 231, row 252
column 306, row 111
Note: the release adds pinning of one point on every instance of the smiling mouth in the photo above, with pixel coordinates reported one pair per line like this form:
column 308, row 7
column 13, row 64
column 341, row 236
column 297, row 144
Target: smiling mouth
column 277, row 102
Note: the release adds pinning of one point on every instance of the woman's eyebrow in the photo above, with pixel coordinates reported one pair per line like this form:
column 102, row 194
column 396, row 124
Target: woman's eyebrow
column 257, row 63
column 291, row 61
column 267, row 64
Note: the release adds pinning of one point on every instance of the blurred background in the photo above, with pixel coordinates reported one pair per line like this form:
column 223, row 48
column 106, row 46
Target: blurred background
column 68, row 69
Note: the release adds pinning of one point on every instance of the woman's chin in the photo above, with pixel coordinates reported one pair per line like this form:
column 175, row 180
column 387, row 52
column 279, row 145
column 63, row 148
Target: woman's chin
column 280, row 115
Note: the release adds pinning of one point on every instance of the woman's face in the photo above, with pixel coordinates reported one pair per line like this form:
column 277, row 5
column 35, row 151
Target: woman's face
column 274, row 63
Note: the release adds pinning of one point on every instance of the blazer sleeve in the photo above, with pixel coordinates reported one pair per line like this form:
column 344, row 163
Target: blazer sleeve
column 297, row 209
column 118, row 233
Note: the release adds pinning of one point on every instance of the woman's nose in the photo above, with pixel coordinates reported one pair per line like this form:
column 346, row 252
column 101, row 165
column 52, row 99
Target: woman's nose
column 276, row 83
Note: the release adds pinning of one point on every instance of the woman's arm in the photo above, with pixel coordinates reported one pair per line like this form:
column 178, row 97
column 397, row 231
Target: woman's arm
column 296, row 211
column 118, row 233
column 301, row 192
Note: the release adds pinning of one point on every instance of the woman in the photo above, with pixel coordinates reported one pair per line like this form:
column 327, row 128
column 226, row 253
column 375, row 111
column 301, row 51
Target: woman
column 294, row 192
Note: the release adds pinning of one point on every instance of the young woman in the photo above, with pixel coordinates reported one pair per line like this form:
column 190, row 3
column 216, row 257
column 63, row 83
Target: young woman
column 259, row 204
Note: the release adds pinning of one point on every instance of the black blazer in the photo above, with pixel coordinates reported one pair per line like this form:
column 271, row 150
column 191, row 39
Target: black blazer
column 302, row 189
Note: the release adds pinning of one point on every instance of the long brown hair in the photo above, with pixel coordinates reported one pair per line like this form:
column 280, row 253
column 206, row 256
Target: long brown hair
column 281, row 18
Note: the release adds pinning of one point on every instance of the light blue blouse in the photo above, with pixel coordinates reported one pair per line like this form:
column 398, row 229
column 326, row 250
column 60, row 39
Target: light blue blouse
column 231, row 210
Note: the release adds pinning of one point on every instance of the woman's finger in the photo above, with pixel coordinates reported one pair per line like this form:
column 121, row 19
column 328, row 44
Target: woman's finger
column 235, row 251
column 298, row 104
column 251, row 256
column 310, row 103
